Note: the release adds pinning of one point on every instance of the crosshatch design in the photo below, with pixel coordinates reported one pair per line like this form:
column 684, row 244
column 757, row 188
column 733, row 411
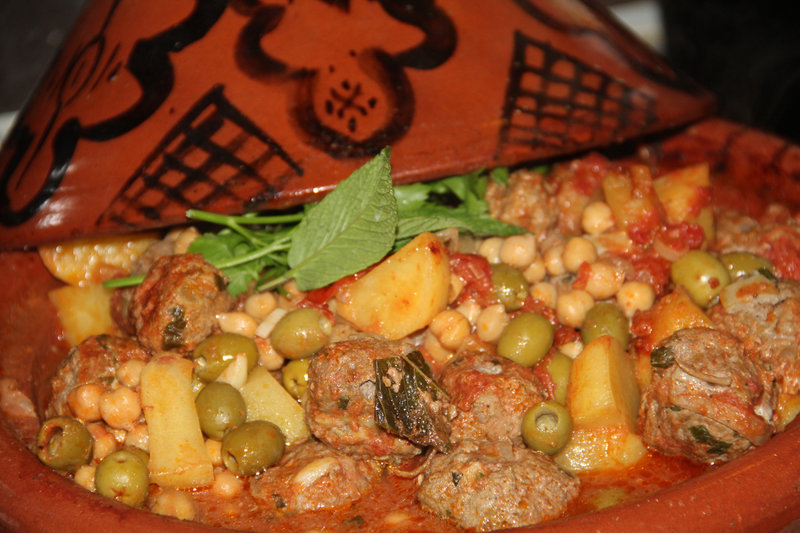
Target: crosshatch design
column 554, row 99
column 214, row 153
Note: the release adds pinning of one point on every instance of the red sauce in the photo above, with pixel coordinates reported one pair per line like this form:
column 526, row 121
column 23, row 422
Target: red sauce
column 476, row 273
column 392, row 497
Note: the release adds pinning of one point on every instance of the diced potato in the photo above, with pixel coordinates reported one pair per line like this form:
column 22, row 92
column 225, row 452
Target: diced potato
column 403, row 293
column 633, row 200
column 673, row 312
column 602, row 387
column 601, row 448
column 686, row 197
column 95, row 259
column 178, row 454
column 83, row 311
column 266, row 399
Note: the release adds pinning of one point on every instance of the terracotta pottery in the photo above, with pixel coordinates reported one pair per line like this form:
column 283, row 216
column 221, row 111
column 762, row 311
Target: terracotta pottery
column 757, row 492
column 153, row 107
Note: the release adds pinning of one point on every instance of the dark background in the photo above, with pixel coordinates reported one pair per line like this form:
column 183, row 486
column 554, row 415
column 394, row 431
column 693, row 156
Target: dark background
column 747, row 52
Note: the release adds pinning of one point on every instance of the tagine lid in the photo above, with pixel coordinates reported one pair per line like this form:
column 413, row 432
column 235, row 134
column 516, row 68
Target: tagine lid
column 231, row 106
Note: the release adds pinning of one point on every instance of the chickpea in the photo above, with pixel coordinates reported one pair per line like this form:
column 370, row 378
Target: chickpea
column 597, row 218
column 535, row 272
column 490, row 249
column 104, row 441
column 450, row 328
column 260, row 305
column 577, row 251
column 604, row 280
column 121, row 408
column 237, row 322
column 573, row 306
column 226, row 484
column 518, row 251
column 635, row 296
column 545, row 292
column 172, row 502
column 553, row 260
column 268, row 357
column 84, row 477
column 470, row 309
column 439, row 353
column 84, row 401
column 130, row 372
column 138, row 437
column 183, row 238
column 491, row 322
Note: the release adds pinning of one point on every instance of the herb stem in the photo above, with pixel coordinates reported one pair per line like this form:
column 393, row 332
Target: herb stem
column 276, row 246
column 228, row 220
column 118, row 283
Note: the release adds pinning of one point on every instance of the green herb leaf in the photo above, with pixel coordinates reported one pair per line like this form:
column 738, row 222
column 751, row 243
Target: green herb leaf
column 352, row 228
column 409, row 403
column 662, row 357
column 702, row 435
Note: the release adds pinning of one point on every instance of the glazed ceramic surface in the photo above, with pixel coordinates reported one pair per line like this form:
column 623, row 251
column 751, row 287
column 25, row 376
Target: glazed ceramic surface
column 154, row 107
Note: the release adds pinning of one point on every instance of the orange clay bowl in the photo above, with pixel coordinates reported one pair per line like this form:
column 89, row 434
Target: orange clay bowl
column 153, row 107
column 757, row 492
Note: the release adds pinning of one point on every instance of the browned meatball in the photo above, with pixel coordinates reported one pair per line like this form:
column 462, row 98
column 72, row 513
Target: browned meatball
column 340, row 403
column 176, row 305
column 95, row 360
column 491, row 485
column 706, row 399
column 491, row 394
column 765, row 315
column 313, row 476
column 527, row 201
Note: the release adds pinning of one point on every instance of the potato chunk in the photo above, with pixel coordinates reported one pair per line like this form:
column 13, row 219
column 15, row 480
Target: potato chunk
column 602, row 386
column 403, row 293
column 83, row 311
column 686, row 197
column 95, row 259
column 266, row 399
column 603, row 398
column 178, row 455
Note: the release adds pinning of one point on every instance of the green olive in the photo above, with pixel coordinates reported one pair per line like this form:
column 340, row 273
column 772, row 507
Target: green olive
column 295, row 377
column 122, row 475
column 526, row 339
column 701, row 274
column 300, row 333
column 605, row 318
column 547, row 427
column 252, row 447
column 64, row 443
column 219, row 407
column 740, row 264
column 217, row 351
column 510, row 286
column 559, row 368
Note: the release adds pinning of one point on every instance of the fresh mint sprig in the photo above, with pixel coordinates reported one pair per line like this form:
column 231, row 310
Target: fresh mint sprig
column 355, row 226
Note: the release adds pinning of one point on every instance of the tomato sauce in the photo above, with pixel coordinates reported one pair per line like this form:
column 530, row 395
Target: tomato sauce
column 391, row 506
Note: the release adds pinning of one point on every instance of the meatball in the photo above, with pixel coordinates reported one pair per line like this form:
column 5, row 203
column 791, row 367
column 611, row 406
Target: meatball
column 765, row 315
column 491, row 485
column 313, row 476
column 176, row 305
column 527, row 201
column 340, row 400
column 95, row 360
column 491, row 394
column 706, row 399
